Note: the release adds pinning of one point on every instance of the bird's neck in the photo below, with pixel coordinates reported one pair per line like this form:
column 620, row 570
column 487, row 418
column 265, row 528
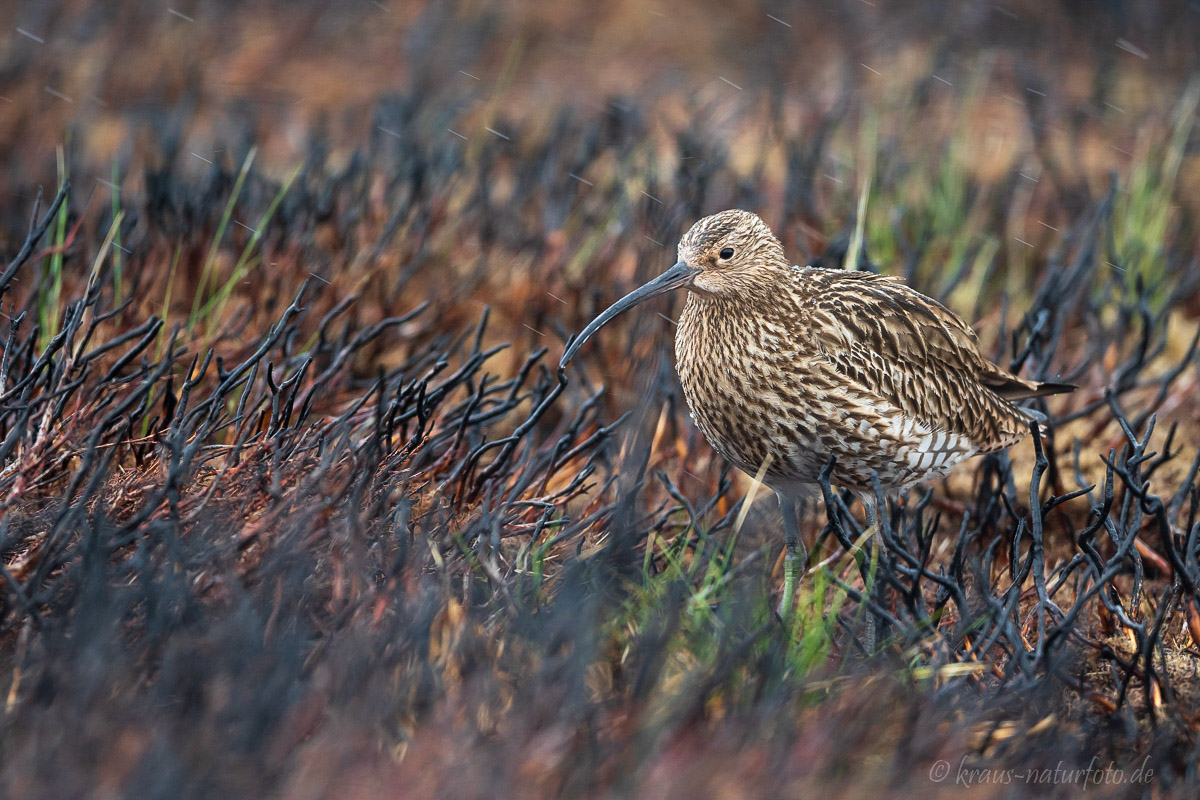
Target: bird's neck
column 726, row 325
column 766, row 295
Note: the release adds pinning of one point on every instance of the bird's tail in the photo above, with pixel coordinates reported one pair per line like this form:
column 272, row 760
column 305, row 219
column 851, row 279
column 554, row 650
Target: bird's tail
column 1013, row 388
column 1050, row 387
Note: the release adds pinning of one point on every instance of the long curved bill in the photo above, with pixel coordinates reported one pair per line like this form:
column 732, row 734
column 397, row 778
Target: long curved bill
column 679, row 275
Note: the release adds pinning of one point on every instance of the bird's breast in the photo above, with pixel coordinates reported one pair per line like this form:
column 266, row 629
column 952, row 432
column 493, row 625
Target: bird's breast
column 742, row 377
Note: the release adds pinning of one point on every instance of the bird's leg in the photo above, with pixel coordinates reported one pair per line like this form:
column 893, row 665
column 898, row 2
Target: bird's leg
column 796, row 558
column 869, row 503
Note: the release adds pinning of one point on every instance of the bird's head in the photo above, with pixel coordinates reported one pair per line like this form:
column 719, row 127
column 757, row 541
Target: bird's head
column 724, row 254
column 727, row 252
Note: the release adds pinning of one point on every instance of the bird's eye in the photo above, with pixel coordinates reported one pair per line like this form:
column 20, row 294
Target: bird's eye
column 727, row 254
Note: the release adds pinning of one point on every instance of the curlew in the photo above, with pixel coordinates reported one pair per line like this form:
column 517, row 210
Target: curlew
column 784, row 367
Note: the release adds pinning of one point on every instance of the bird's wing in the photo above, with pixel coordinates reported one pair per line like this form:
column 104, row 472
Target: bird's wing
column 888, row 341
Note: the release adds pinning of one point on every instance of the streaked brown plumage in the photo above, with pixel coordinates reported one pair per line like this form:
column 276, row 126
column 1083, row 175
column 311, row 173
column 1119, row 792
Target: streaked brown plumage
column 786, row 366
column 801, row 364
